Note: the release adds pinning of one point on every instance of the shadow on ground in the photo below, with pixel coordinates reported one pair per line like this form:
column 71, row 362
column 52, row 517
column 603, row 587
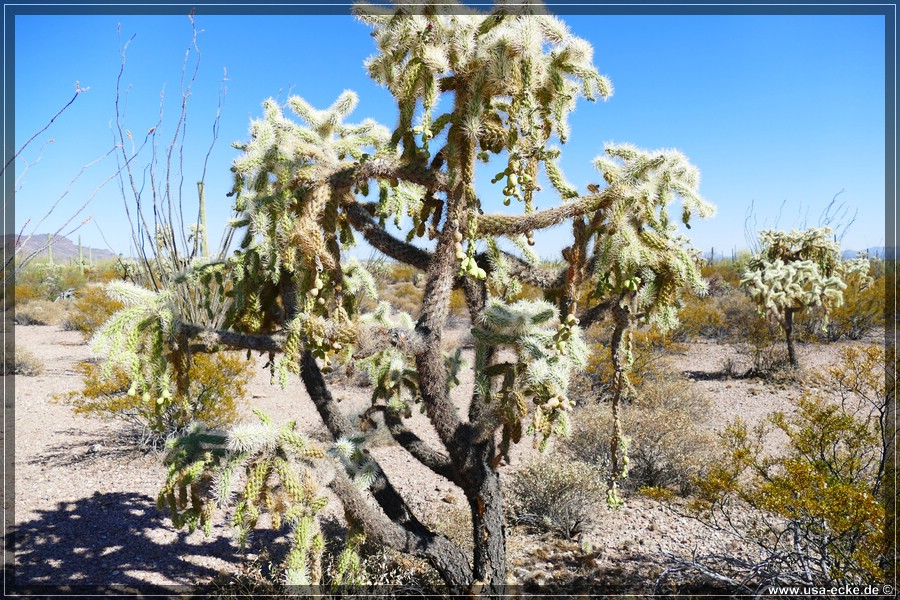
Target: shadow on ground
column 712, row 376
column 103, row 544
column 82, row 448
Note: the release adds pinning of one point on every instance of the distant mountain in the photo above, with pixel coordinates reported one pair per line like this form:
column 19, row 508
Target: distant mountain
column 872, row 251
column 64, row 249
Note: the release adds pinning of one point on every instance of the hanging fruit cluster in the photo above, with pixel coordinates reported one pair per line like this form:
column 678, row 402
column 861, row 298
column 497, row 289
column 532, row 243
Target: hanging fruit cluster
column 468, row 265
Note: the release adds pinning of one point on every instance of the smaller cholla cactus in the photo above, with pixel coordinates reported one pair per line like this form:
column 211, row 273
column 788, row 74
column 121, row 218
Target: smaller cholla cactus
column 138, row 338
column 189, row 479
column 547, row 351
column 278, row 478
column 798, row 270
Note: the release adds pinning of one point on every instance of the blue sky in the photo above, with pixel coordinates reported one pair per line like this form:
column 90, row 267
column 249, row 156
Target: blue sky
column 774, row 110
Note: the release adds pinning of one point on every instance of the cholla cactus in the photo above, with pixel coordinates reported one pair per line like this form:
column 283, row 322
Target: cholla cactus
column 507, row 81
column 546, row 352
column 279, row 478
column 798, row 270
column 139, row 338
column 641, row 254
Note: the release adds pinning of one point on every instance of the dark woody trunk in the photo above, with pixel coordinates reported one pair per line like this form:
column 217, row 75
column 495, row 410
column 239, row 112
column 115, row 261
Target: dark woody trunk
column 789, row 337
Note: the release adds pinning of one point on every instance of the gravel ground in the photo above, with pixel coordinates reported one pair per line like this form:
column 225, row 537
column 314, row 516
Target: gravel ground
column 85, row 509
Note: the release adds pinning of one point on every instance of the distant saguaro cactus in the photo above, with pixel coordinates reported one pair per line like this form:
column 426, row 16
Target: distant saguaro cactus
column 304, row 190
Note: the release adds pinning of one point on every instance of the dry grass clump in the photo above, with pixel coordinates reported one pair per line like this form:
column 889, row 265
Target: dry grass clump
column 21, row 362
column 41, row 312
column 453, row 521
column 668, row 446
column 554, row 494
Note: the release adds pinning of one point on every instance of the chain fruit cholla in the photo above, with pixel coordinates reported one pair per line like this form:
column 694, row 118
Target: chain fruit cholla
column 797, row 270
column 305, row 190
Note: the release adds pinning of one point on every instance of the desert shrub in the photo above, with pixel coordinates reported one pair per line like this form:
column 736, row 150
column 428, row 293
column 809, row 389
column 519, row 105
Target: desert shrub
column 46, row 281
column 859, row 381
column 722, row 275
column 758, row 340
column 817, row 517
column 458, row 304
column 24, row 292
column 649, row 346
column 403, row 296
column 558, row 495
column 108, row 270
column 668, row 445
column 41, row 312
column 398, row 272
column 406, row 296
column 21, row 362
column 862, row 312
column 218, row 384
column 91, row 310
column 702, row 317
column 766, row 355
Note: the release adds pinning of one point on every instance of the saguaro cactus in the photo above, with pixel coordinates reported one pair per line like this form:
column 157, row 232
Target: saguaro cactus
column 304, row 190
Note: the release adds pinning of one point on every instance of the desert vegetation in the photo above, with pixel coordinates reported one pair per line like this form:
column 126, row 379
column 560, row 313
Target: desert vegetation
column 549, row 396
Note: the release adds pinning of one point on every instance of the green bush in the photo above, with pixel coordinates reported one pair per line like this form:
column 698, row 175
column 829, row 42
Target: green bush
column 861, row 313
column 558, row 495
column 91, row 309
column 819, row 516
column 46, row 281
column 649, row 346
column 218, row 385
column 703, row 317
column 723, row 275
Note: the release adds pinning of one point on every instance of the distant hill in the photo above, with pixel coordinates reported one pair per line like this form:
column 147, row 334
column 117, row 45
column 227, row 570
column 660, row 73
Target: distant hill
column 873, row 251
column 64, row 249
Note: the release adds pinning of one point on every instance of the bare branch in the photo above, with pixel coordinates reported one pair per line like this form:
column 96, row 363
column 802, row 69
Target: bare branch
column 78, row 91
column 371, row 339
column 387, row 168
column 418, row 449
column 383, row 241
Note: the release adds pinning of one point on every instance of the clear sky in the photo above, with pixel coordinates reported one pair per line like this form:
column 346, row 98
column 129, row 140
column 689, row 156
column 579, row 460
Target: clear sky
column 780, row 111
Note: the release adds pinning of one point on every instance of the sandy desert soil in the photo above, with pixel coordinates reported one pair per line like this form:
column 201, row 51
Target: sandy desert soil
column 85, row 510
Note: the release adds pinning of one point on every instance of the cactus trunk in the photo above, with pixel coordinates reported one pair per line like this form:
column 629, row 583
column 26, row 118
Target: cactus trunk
column 80, row 255
column 201, row 226
column 489, row 533
column 789, row 337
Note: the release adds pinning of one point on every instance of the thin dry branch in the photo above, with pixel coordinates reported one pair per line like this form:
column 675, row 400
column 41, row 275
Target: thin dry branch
column 78, row 91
